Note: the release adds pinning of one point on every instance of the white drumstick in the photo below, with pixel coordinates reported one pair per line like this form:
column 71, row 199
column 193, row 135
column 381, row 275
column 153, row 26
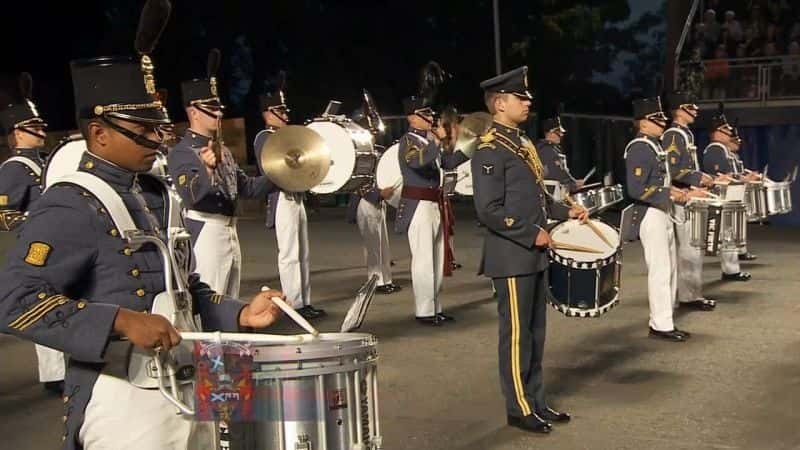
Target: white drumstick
column 591, row 172
column 298, row 319
column 217, row 336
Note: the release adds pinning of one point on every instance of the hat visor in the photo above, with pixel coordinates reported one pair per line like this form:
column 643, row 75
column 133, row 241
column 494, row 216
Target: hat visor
column 144, row 115
column 525, row 95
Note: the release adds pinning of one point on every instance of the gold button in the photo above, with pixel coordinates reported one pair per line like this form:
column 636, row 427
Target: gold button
column 63, row 301
column 81, row 304
column 140, row 292
column 127, row 251
column 113, row 232
column 64, row 418
column 41, row 295
column 89, row 164
column 65, row 398
column 135, row 272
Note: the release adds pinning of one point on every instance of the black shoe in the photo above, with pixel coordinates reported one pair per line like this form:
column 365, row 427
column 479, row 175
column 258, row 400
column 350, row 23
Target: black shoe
column 530, row 423
column 554, row 416
column 747, row 257
column 741, row 276
column 456, row 265
column 430, row 320
column 387, row 289
column 701, row 304
column 54, row 387
column 319, row 312
column 308, row 313
column 445, row 318
column 674, row 335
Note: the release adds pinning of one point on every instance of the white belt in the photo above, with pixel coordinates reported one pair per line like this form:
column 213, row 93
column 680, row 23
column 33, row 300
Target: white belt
column 220, row 219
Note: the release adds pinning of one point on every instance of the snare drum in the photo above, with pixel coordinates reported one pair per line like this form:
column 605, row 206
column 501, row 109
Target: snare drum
column 587, row 199
column 584, row 284
column 778, row 197
column 608, row 196
column 755, row 199
column 389, row 175
column 353, row 158
column 727, row 226
column 696, row 214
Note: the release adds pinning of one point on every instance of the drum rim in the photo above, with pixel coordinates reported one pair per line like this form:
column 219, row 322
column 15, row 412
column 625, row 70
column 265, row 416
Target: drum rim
column 571, row 311
column 586, row 265
column 357, row 151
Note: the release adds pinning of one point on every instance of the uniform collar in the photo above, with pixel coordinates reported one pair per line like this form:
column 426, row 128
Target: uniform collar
column 507, row 129
column 33, row 153
column 421, row 133
column 107, row 171
column 195, row 139
column 649, row 138
column 270, row 129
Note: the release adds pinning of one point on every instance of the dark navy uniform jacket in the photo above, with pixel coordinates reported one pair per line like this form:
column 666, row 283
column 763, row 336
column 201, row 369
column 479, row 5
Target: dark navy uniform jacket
column 420, row 160
column 646, row 172
column 19, row 185
column 70, row 272
column 678, row 141
column 555, row 164
column 718, row 159
column 511, row 201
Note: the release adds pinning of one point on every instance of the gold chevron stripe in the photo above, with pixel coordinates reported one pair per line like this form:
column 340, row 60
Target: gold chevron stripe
column 44, row 304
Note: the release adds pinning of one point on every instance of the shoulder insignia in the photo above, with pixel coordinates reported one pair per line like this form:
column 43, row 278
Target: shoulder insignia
column 637, row 171
column 37, row 254
column 673, row 147
column 412, row 153
column 509, row 222
column 673, row 160
column 489, row 136
column 3, row 200
column 716, row 166
column 488, row 169
column 182, row 179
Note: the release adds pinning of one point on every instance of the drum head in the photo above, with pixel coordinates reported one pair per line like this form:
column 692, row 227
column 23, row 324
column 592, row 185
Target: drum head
column 464, row 183
column 63, row 160
column 343, row 156
column 576, row 233
column 389, row 175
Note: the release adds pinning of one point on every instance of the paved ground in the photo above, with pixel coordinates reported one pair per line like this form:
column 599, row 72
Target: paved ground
column 735, row 385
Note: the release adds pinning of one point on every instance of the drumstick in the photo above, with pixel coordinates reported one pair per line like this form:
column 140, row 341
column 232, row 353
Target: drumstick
column 298, row 319
column 575, row 248
column 709, row 193
column 591, row 225
column 591, row 172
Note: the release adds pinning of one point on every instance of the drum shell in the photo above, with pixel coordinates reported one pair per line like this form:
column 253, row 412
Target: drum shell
column 587, row 199
column 756, row 202
column 608, row 196
column 727, row 227
column 353, row 156
column 778, row 198
column 696, row 214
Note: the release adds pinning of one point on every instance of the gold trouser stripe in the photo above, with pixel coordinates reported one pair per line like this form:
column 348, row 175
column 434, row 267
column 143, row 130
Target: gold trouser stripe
column 515, row 366
column 34, row 311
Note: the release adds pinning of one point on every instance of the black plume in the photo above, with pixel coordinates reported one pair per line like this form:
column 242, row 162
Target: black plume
column 214, row 59
column 152, row 22
column 25, row 85
column 431, row 77
column 721, row 108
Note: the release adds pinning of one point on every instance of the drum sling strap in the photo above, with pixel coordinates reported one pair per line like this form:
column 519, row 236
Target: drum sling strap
column 35, row 168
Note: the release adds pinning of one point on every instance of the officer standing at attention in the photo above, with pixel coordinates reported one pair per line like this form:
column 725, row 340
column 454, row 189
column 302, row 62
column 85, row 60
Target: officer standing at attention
column 553, row 158
column 210, row 184
column 685, row 172
column 510, row 199
column 75, row 283
column 286, row 213
column 649, row 217
column 421, row 205
column 20, row 187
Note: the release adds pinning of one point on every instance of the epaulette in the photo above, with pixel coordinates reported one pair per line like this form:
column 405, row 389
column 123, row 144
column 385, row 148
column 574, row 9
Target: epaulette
column 487, row 140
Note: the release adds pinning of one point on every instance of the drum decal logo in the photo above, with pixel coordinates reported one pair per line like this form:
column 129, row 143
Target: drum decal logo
column 337, row 399
column 224, row 384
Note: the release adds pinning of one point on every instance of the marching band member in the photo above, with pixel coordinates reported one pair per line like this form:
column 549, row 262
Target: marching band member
column 510, row 199
column 420, row 212
column 20, row 188
column 718, row 159
column 684, row 170
column 649, row 217
column 210, row 187
column 286, row 213
column 553, row 158
column 81, row 288
column 744, row 175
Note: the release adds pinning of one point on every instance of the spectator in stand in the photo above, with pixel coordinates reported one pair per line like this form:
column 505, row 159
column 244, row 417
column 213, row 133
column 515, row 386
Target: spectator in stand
column 770, row 49
column 794, row 32
column 711, row 25
column 791, row 70
column 758, row 22
column 772, row 34
column 752, row 43
column 700, row 40
column 717, row 74
column 733, row 26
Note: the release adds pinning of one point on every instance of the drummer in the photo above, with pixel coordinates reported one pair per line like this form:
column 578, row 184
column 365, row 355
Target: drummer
column 553, row 157
column 20, row 188
column 72, row 283
column 718, row 159
column 685, row 172
column 419, row 214
column 367, row 209
column 648, row 218
column 748, row 176
column 211, row 188
column 286, row 212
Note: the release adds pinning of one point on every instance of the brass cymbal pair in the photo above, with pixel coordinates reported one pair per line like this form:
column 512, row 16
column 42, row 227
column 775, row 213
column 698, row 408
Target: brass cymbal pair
column 295, row 158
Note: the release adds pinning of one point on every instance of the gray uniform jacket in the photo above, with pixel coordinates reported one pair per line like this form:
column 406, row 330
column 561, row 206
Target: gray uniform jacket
column 70, row 272
column 647, row 182
column 718, row 159
column 511, row 202
column 555, row 164
column 19, row 185
column 420, row 160
column 679, row 144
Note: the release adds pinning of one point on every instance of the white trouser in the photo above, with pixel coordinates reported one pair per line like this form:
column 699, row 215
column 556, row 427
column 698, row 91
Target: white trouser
column 51, row 364
column 425, row 237
column 291, row 231
column 729, row 259
column 371, row 221
column 217, row 253
column 658, row 239
column 120, row 416
column 690, row 261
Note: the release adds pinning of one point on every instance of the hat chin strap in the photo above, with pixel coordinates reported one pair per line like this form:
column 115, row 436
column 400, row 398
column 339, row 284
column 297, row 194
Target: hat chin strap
column 139, row 139
column 426, row 119
column 32, row 133
column 280, row 117
column 206, row 112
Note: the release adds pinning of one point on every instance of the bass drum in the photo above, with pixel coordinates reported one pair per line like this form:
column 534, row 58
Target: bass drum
column 353, row 158
column 464, row 179
column 389, row 175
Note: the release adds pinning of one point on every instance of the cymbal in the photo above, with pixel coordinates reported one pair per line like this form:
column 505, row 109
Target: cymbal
column 470, row 130
column 295, row 158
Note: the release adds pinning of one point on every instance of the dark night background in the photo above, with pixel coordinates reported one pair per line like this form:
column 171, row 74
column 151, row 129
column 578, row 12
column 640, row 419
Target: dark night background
column 578, row 51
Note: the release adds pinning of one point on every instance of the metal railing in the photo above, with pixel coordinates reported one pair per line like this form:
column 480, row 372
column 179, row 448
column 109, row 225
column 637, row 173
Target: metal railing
column 755, row 80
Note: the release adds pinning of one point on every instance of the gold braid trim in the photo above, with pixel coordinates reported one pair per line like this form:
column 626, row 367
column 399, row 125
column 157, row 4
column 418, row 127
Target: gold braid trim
column 648, row 191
